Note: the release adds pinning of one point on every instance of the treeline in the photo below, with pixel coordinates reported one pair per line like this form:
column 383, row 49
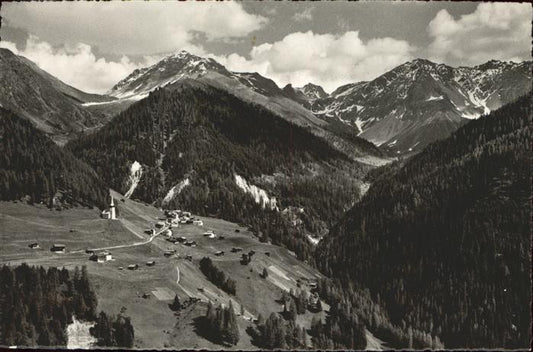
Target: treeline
column 32, row 165
column 37, row 304
column 444, row 242
column 217, row 276
column 278, row 333
column 221, row 324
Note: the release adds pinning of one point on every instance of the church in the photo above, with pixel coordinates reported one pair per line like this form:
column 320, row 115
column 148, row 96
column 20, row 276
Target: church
column 111, row 213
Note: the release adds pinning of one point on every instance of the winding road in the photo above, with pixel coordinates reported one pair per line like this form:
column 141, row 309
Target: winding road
column 128, row 245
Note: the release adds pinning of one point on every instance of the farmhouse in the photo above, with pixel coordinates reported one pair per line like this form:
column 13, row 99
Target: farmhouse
column 58, row 248
column 210, row 234
column 101, row 257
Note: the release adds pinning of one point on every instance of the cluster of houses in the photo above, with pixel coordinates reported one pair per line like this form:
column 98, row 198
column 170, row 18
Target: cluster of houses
column 177, row 216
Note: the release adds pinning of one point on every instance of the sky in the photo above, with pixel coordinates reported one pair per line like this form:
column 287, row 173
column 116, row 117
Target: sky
column 93, row 45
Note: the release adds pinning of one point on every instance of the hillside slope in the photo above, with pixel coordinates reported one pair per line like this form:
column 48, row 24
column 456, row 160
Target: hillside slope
column 52, row 106
column 249, row 87
column 31, row 164
column 230, row 158
column 444, row 243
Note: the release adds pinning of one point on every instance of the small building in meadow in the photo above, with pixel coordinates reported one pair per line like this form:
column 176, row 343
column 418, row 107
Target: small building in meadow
column 34, row 245
column 101, row 257
column 58, row 248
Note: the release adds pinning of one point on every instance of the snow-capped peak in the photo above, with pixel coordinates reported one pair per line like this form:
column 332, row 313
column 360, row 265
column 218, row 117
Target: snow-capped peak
column 170, row 69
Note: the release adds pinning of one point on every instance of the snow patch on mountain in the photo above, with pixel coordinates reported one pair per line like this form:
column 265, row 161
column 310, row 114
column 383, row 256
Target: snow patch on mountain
column 174, row 191
column 136, row 172
column 260, row 195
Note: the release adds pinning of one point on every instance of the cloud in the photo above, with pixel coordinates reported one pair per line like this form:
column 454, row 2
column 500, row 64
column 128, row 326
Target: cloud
column 325, row 59
column 305, row 15
column 77, row 65
column 499, row 31
column 140, row 26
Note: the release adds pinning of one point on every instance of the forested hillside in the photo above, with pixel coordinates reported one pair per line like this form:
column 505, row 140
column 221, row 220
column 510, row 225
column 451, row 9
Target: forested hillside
column 37, row 305
column 444, row 242
column 31, row 164
column 175, row 135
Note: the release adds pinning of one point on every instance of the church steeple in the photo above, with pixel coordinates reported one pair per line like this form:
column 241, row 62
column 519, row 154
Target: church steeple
column 112, row 210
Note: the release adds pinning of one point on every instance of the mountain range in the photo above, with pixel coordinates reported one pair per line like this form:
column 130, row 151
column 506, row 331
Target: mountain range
column 420, row 101
column 438, row 237
column 401, row 111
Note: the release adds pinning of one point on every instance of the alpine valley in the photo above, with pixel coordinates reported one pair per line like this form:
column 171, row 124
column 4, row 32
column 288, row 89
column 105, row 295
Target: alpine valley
column 388, row 214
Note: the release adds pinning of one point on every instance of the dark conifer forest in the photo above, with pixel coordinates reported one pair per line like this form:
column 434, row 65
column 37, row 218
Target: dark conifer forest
column 32, row 165
column 443, row 243
column 176, row 135
column 37, row 304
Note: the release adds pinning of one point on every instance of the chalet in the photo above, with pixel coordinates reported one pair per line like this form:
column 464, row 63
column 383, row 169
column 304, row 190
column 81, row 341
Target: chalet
column 198, row 222
column 186, row 214
column 101, row 257
column 181, row 239
column 89, row 251
column 169, row 253
column 209, row 234
column 34, row 245
column 150, row 263
column 133, row 267
column 236, row 249
column 160, row 224
column 58, row 248
column 219, row 253
column 168, row 233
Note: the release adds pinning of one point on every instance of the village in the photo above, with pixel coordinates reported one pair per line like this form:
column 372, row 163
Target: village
column 162, row 260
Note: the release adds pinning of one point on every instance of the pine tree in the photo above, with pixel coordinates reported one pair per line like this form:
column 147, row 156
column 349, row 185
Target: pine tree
column 176, row 304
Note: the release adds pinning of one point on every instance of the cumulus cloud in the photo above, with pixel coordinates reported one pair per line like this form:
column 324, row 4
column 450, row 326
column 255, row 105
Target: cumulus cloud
column 140, row 27
column 305, row 15
column 77, row 65
column 499, row 31
column 325, row 59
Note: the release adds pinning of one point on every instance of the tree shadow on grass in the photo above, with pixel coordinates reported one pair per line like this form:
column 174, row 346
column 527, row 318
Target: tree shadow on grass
column 202, row 329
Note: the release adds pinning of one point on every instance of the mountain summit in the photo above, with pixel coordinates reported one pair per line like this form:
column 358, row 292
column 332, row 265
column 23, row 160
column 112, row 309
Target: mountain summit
column 421, row 101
